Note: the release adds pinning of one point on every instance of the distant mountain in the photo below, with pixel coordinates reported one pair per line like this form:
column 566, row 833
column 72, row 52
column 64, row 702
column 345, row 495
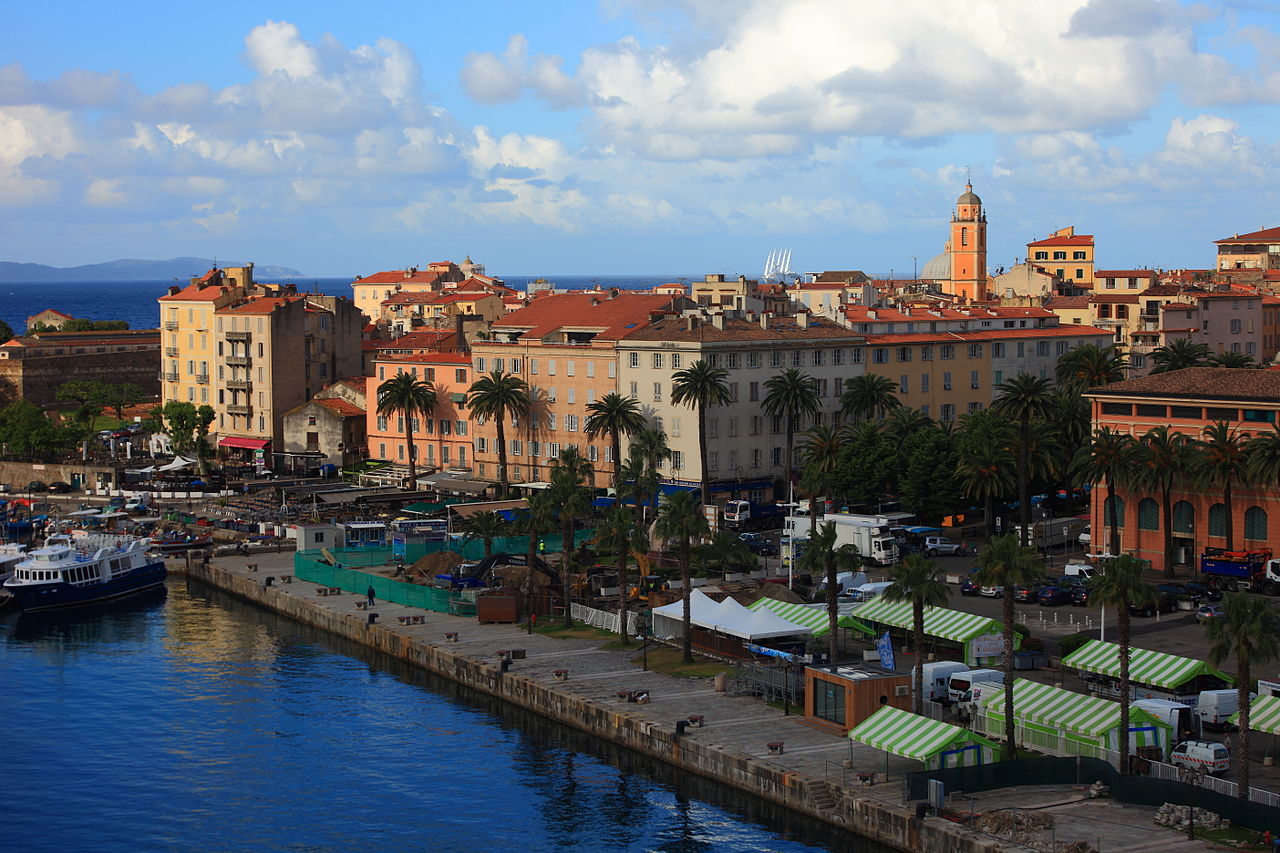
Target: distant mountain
column 130, row 269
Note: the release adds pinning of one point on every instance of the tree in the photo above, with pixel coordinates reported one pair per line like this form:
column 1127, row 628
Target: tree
column 485, row 526
column 699, row 386
column 681, row 519
column 724, row 552
column 1249, row 631
column 903, row 424
column 616, row 533
column 650, row 451
column 406, row 396
column 119, row 396
column 1120, row 585
column 868, row 397
column 1005, row 563
column 6, row 332
column 1178, row 354
column 823, row 558
column 25, row 430
column 569, row 474
column 614, row 415
column 82, row 391
column 497, row 395
column 986, row 465
column 1221, row 459
column 1161, row 461
column 819, row 455
column 180, row 423
column 1234, row 360
column 929, row 484
column 791, row 395
column 1024, row 398
column 918, row 579
column 205, row 416
column 539, row 518
column 867, row 467
column 1089, row 365
column 1107, row 458
column 1264, row 458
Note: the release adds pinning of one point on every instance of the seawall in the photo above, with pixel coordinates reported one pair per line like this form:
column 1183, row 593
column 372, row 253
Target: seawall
column 887, row 823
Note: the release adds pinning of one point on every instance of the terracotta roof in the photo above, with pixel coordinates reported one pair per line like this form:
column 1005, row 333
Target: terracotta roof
column 1209, row 383
column 196, row 293
column 426, row 358
column 1124, row 274
column 841, row 276
column 1074, row 240
column 359, row 383
column 340, row 407
column 1213, row 294
column 424, row 340
column 1266, row 235
column 400, row 277
column 260, row 305
column 1177, row 306
column 611, row 318
column 1268, row 299
column 738, row 329
column 861, row 314
column 1166, row 290
column 53, row 311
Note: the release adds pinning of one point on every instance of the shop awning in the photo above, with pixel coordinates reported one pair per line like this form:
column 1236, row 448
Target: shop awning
column 1064, row 710
column 249, row 443
column 1264, row 715
column 938, row 621
column 1158, row 669
column 903, row 733
column 812, row 617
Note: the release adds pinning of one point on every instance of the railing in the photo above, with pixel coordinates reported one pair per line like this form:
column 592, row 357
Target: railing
column 238, row 336
column 604, row 619
column 171, row 325
column 171, row 376
column 202, row 378
column 240, row 410
column 1172, row 773
column 239, row 360
column 171, row 352
column 239, row 385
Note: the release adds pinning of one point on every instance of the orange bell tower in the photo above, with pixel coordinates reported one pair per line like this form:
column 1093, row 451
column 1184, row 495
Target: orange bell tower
column 968, row 247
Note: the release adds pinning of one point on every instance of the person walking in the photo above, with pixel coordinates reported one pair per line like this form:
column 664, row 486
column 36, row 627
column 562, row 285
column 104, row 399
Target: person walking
column 370, row 595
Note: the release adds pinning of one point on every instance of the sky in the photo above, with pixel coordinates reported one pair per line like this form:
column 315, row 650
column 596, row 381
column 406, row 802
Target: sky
column 633, row 136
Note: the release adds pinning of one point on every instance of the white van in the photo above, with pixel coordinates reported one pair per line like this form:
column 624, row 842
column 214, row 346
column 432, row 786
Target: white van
column 936, row 676
column 868, row 591
column 1201, row 755
column 847, row 584
column 1078, row 570
column 1215, row 707
column 960, row 683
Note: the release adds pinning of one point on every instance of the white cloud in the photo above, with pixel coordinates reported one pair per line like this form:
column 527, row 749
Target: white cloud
column 493, row 79
column 277, row 46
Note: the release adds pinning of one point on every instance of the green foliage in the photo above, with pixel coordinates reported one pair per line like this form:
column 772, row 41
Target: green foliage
column 1021, row 630
column 6, row 331
column 868, row 466
column 1032, row 644
column 82, row 324
column 27, row 431
column 1068, row 644
column 929, row 484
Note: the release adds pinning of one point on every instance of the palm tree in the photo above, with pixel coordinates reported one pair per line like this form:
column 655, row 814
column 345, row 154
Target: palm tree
column 724, row 552
column 569, row 474
column 1089, row 365
column 681, row 519
column 485, row 526
column 1178, row 354
column 1107, row 458
column 791, row 395
column 538, row 519
column 497, row 395
column 986, row 474
column 1235, row 360
column 1024, row 398
column 1005, row 563
column 649, row 447
column 918, row 579
column 902, row 423
column 1161, row 461
column 819, row 458
column 823, row 557
column 406, row 396
column 1222, row 459
column 698, row 386
column 1264, row 458
column 869, row 396
column 1120, row 585
column 617, row 530
column 614, row 415
column 1249, row 631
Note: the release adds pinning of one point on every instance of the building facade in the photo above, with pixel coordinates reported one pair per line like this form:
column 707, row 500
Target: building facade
column 441, row 441
column 1257, row 250
column 1065, row 254
column 33, row 366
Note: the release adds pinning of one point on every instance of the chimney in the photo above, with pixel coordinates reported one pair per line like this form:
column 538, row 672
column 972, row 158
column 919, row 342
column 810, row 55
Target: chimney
column 174, row 289
column 764, row 319
column 594, row 301
column 802, row 319
column 717, row 320
column 871, row 315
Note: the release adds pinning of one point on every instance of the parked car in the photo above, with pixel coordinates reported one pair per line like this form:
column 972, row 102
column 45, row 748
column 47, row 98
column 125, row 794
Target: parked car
column 60, row 488
column 1164, row 603
column 1080, row 596
column 1201, row 755
column 1185, row 597
column 758, row 544
column 1085, row 538
column 37, row 486
column 1209, row 612
column 969, row 587
column 123, row 432
column 1027, row 592
column 935, row 545
column 1052, row 596
column 1206, row 593
column 136, row 429
column 992, row 592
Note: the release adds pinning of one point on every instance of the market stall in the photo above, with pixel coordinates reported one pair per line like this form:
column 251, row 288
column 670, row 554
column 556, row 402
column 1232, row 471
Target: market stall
column 976, row 638
column 938, row 745
column 1153, row 675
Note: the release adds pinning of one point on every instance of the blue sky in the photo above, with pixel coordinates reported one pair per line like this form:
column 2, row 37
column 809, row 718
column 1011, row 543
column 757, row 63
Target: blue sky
column 651, row 136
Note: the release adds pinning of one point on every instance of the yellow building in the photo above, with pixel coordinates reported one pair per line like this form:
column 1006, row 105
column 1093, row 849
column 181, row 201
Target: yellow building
column 186, row 331
column 406, row 312
column 1065, row 254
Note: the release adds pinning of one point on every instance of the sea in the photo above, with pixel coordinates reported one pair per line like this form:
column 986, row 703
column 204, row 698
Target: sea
column 135, row 301
column 187, row 719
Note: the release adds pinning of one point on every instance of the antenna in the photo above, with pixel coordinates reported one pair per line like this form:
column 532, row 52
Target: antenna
column 915, row 272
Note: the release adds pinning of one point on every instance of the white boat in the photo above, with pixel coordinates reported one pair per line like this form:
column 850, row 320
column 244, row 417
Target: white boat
column 67, row 571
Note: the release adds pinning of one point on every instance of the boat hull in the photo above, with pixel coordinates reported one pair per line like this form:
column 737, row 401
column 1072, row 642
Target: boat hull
column 48, row 596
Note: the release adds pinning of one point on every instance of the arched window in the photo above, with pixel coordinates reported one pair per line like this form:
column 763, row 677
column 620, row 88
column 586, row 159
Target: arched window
column 1255, row 523
column 1148, row 515
column 1217, row 520
column 1106, row 512
column 1184, row 518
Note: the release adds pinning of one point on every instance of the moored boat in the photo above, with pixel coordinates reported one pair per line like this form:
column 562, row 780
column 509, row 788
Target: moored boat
column 67, row 571
column 181, row 542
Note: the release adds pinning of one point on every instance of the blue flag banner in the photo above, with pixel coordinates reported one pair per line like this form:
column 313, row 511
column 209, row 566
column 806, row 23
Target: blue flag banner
column 885, row 646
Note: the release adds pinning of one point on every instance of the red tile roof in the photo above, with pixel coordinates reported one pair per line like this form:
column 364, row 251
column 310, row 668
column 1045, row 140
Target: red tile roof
column 340, row 407
column 1266, row 235
column 261, row 305
column 430, row 339
column 196, row 293
column 426, row 358
column 400, row 277
column 1074, row 240
column 53, row 311
column 612, row 318
column 1124, row 274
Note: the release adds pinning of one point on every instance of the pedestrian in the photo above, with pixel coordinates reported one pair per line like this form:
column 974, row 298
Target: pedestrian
column 370, row 595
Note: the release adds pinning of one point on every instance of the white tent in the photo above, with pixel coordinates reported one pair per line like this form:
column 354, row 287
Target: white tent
column 177, row 464
column 725, row 617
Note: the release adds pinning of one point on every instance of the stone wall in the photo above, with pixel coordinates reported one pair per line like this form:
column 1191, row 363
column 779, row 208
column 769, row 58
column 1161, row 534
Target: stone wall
column 886, row 823
column 36, row 378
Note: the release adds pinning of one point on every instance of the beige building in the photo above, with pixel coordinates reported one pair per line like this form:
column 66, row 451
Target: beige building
column 329, row 429
column 1257, row 250
column 186, row 329
column 409, row 311
column 369, row 292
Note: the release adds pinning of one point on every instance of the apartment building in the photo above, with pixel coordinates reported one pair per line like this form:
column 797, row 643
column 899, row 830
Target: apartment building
column 441, row 440
column 1257, row 250
column 187, row 331
column 565, row 346
column 369, row 292
column 1065, row 254
column 408, row 312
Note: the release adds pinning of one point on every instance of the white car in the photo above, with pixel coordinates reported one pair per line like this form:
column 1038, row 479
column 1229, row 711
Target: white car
column 935, row 545
column 1085, row 538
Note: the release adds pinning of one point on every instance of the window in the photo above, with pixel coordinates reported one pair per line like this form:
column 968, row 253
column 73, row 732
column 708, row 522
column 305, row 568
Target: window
column 1184, row 518
column 946, row 381
column 517, row 447
column 924, row 384
column 904, row 382
column 926, row 352
column 1079, row 273
column 819, row 357
column 756, row 424
column 775, row 425
column 593, row 455
column 947, row 413
column 657, row 361
column 551, row 367
column 1148, row 515
column 975, row 350
column 533, row 367
column 755, row 457
column 1255, row 523
column 634, row 389
column 946, row 352
column 1259, row 415
column 1042, row 348
column 1235, row 327
column 553, row 449
column 828, row 701
column 1042, row 256
column 552, row 419
column 775, row 358
column 973, row 379
column 713, row 360
column 573, row 395
column 1059, row 256
column 713, row 427
column 857, row 356
column 753, row 359
column 382, row 423
column 1193, row 412
column 551, row 394
column 568, row 367
column 733, row 427
column 1117, row 409
column 1218, row 520
column 1119, row 512
column 731, row 361
column 1213, row 413
column 880, row 355
column 613, row 369
column 500, row 364
column 657, row 392
column 904, row 353
column 997, row 350
column 733, row 392
column 633, row 359
column 677, row 460
column 753, row 392
column 777, row 456
column 713, row 460
column 1079, row 256
column 837, row 356
column 591, row 369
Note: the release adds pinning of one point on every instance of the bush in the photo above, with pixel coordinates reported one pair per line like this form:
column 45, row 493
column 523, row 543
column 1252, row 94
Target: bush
column 1032, row 644
column 1071, row 642
column 1021, row 630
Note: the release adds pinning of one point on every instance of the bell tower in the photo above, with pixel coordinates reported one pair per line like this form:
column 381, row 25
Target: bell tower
column 968, row 247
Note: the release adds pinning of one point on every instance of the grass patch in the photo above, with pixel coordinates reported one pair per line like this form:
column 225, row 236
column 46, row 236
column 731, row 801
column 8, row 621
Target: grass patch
column 579, row 631
column 1236, row 836
column 669, row 662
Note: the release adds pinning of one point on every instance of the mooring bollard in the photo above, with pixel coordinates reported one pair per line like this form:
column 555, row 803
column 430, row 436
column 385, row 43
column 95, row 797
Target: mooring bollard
column 373, row 617
column 268, row 580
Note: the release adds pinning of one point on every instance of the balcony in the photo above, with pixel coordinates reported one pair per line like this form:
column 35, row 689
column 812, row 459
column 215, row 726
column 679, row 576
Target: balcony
column 171, row 376
column 171, row 352
column 239, row 336
column 171, row 325
column 238, row 360
column 240, row 410
column 239, row 385
column 202, row 378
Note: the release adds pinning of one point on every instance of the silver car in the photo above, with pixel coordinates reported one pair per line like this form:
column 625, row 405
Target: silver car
column 935, row 545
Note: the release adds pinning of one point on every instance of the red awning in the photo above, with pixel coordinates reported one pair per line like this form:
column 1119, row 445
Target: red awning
column 251, row 443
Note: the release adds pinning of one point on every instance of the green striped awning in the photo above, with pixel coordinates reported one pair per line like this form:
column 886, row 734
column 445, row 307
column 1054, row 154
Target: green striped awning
column 1264, row 715
column 1061, row 709
column 903, row 733
column 813, row 618
column 938, row 621
column 1145, row 667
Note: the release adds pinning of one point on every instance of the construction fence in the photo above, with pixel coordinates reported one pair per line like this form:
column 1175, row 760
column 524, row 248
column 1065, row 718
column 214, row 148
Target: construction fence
column 310, row 566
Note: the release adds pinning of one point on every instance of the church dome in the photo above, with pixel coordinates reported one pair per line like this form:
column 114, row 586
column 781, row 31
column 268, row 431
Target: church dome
column 938, row 268
column 969, row 196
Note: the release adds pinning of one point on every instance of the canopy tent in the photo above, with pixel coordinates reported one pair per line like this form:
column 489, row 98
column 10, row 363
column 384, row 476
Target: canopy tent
column 813, row 617
column 953, row 625
column 1264, row 715
column 1156, row 669
column 177, row 464
column 725, row 617
column 935, row 743
column 1058, row 721
column 424, row 508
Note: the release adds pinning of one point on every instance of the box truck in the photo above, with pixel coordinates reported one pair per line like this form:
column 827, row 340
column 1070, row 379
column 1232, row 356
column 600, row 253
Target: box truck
column 936, row 678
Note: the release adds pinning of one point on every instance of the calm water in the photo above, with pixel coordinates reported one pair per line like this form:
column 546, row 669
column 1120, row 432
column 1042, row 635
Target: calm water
column 193, row 719
column 135, row 301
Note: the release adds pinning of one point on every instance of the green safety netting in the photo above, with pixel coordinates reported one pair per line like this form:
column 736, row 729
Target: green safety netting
column 1065, row 710
column 913, row 736
column 388, row 589
column 1158, row 669
column 1264, row 715
column 813, row 618
column 938, row 621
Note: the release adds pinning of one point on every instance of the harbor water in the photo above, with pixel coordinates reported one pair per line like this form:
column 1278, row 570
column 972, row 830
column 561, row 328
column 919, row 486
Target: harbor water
column 188, row 719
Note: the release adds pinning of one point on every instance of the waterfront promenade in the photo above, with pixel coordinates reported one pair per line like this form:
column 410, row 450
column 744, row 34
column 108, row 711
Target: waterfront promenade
column 812, row 761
